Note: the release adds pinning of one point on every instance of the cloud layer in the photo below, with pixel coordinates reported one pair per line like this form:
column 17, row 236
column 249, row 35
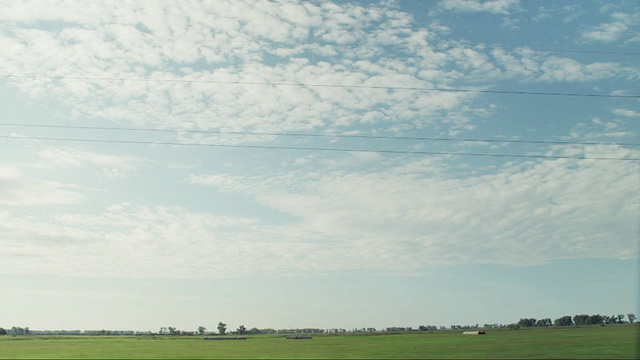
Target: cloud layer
column 198, row 66
column 320, row 67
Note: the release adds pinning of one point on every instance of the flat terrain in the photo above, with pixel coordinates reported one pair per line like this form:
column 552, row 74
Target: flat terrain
column 613, row 341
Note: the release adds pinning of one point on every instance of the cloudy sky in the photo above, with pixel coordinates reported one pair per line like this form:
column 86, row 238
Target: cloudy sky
column 316, row 163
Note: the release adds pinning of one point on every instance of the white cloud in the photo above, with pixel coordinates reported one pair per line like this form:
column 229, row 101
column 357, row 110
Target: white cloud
column 607, row 32
column 569, row 13
column 407, row 216
column 491, row 6
column 626, row 112
column 186, row 63
column 565, row 69
column 109, row 165
column 210, row 45
column 521, row 214
column 126, row 240
column 204, row 65
column 612, row 31
column 18, row 189
column 601, row 129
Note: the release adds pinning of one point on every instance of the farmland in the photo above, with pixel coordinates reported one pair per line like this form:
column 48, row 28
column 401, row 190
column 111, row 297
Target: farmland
column 616, row 341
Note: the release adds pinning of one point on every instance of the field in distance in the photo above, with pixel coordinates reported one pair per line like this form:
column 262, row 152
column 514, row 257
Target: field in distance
column 612, row 341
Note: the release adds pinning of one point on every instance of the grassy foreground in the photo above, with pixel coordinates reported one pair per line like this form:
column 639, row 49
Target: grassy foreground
column 610, row 342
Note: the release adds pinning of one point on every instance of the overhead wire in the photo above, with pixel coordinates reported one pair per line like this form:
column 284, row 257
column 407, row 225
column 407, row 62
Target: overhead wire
column 408, row 88
column 382, row 151
column 203, row 43
column 348, row 136
column 266, row 83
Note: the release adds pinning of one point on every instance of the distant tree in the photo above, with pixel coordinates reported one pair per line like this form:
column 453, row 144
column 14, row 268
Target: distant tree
column 581, row 319
column 620, row 319
column 527, row 322
column 631, row 317
column 513, row 327
column 222, row 328
column 172, row 330
column 201, row 330
column 19, row 330
column 3, row 331
column 595, row 319
column 427, row 328
column 613, row 319
column 544, row 322
column 563, row 321
column 242, row 330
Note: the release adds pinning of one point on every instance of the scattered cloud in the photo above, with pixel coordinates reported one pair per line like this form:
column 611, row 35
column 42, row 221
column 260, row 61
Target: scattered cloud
column 614, row 30
column 109, row 165
column 600, row 129
column 626, row 112
column 568, row 13
column 410, row 216
column 209, row 67
column 391, row 220
column 126, row 240
column 528, row 65
column 502, row 7
column 565, row 69
column 322, row 44
column 316, row 67
column 606, row 32
column 19, row 189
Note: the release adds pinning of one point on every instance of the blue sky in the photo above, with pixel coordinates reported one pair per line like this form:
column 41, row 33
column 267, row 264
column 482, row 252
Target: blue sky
column 215, row 211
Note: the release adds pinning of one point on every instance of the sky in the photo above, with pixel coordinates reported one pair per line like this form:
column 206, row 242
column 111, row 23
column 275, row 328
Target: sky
column 291, row 164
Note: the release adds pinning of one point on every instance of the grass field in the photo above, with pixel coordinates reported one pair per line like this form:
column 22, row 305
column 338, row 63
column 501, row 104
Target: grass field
column 610, row 342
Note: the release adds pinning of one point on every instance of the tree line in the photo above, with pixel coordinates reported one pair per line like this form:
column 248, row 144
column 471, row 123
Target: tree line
column 582, row 319
column 567, row 320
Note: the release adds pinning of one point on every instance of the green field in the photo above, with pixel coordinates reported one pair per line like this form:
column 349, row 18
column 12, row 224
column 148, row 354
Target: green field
column 617, row 341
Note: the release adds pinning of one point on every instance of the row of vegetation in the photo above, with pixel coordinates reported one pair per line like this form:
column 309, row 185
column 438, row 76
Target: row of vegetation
column 582, row 319
column 567, row 320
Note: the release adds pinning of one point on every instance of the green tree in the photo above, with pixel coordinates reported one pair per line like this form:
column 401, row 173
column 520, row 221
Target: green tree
column 3, row 331
column 513, row 327
column 19, row 330
column 595, row 319
column 631, row 317
column 544, row 322
column 581, row 319
column 242, row 330
column 527, row 322
column 222, row 328
column 201, row 330
column 563, row 321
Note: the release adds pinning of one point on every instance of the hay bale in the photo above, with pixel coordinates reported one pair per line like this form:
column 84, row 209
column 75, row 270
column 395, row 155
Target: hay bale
column 299, row 337
column 481, row 332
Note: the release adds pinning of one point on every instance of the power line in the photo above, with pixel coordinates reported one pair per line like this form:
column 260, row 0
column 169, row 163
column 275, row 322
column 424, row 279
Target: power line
column 351, row 136
column 321, row 149
column 264, row 83
column 203, row 43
